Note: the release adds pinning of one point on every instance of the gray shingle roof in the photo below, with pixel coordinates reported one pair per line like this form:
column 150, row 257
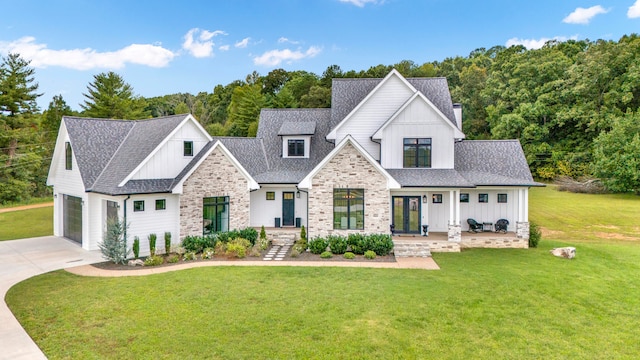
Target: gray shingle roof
column 297, row 128
column 429, row 178
column 493, row 162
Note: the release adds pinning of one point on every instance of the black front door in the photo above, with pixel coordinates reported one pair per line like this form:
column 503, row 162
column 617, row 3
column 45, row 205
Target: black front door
column 72, row 218
column 406, row 214
column 288, row 209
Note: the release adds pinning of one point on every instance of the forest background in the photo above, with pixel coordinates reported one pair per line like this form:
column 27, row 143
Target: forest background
column 574, row 106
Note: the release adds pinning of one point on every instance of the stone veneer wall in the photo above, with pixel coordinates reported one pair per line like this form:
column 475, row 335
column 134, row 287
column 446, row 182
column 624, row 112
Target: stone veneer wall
column 494, row 243
column 216, row 176
column 348, row 169
column 455, row 233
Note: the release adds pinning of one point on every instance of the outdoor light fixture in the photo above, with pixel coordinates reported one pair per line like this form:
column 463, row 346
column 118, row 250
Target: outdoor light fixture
column 424, row 199
column 298, row 194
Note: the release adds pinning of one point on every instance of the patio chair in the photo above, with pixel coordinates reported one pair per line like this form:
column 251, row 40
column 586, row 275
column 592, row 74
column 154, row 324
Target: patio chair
column 501, row 225
column 474, row 226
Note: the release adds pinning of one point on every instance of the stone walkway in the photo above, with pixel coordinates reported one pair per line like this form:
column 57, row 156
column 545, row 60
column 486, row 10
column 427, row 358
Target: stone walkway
column 277, row 253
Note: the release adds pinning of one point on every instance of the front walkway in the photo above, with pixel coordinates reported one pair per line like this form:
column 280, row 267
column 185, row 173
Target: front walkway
column 20, row 260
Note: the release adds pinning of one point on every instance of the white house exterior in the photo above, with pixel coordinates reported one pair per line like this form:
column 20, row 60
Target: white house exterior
column 389, row 155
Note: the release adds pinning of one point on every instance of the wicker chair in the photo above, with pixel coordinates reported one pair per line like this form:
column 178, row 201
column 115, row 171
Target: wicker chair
column 501, row 225
column 474, row 226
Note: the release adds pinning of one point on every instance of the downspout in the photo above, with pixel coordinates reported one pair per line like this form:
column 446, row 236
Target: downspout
column 125, row 219
column 306, row 192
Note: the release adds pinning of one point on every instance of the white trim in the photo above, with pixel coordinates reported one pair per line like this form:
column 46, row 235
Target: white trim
column 189, row 117
column 306, row 182
column 456, row 132
column 56, row 152
column 333, row 133
column 252, row 184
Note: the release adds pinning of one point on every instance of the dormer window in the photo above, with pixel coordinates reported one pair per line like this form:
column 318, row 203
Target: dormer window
column 188, row 148
column 417, row 153
column 295, row 147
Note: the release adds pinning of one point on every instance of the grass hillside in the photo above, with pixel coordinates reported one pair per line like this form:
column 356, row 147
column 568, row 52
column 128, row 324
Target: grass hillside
column 482, row 304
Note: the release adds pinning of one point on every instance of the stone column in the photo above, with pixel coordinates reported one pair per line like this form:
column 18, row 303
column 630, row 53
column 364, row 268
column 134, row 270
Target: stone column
column 455, row 233
column 522, row 230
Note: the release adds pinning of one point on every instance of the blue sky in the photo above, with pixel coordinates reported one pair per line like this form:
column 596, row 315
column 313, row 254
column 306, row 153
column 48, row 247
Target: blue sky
column 168, row 47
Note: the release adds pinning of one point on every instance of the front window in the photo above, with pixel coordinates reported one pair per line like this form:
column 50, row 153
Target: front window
column 68, row 164
column 138, row 205
column 161, row 204
column 188, row 148
column 417, row 153
column 436, row 198
column 483, row 198
column 215, row 214
column 502, row 198
column 348, row 209
column 296, row 147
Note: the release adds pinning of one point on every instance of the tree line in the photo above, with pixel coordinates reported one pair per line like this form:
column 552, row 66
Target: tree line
column 574, row 106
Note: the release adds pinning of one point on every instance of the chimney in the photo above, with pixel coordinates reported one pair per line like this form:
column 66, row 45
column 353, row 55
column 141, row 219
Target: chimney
column 457, row 111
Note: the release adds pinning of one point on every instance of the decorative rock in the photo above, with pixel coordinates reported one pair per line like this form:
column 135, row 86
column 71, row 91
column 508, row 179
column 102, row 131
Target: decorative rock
column 136, row 262
column 565, row 252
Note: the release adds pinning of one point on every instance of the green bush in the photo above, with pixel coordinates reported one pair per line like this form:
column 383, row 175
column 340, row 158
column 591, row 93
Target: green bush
column 208, row 253
column 357, row 244
column 238, row 248
column 326, row 255
column 534, row 235
column 250, row 234
column 220, row 248
column 300, row 246
column 174, row 258
column 381, row 244
column 136, row 247
column 255, row 251
column 197, row 243
column 167, row 243
column 153, row 260
column 294, row 252
column 152, row 244
column 369, row 254
column 349, row 255
column 114, row 245
column 337, row 244
column 189, row 255
column 303, row 233
column 318, row 245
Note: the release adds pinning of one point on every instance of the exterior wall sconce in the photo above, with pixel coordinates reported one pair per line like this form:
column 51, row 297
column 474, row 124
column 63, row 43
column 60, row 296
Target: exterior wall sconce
column 298, row 194
column 424, row 199
column 55, row 195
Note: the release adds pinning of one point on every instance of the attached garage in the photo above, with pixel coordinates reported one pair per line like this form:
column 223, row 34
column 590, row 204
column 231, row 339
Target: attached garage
column 72, row 218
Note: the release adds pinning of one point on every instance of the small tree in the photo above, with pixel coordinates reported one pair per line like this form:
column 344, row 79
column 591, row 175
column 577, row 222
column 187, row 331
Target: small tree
column 167, row 243
column 152, row 244
column 303, row 233
column 114, row 245
column 136, row 247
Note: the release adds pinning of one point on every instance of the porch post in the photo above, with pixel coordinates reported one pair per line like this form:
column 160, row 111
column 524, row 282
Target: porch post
column 455, row 230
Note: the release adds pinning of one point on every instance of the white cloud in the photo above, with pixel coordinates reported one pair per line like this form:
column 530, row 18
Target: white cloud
column 224, row 48
column 536, row 43
column 242, row 43
column 583, row 16
column 85, row 59
column 275, row 57
column 360, row 3
column 634, row 10
column 198, row 42
column 286, row 40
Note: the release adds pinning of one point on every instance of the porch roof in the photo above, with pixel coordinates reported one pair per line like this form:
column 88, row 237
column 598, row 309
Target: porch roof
column 429, row 178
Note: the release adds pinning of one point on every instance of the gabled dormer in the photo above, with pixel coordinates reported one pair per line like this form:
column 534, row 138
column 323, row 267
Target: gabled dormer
column 296, row 138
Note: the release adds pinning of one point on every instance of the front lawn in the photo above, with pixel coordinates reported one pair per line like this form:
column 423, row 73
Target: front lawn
column 26, row 223
column 482, row 304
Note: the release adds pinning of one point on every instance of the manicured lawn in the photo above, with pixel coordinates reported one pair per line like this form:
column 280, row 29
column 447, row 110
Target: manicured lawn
column 482, row 304
column 26, row 223
column 28, row 202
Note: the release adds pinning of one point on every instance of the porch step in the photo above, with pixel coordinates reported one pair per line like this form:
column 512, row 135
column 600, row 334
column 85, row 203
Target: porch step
column 411, row 248
column 284, row 239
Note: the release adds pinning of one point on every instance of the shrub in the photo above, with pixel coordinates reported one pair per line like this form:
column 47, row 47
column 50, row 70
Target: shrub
column 326, row 255
column 349, row 255
column 208, row 253
column 174, row 258
column 196, row 243
column 177, row 249
column 250, row 234
column 294, row 252
column 534, row 235
column 318, row 245
column 220, row 248
column 167, row 243
column 263, row 242
column 357, row 243
column 255, row 251
column 303, row 233
column 263, row 234
column 114, row 245
column 189, row 255
column 136, row 247
column 153, row 260
column 238, row 248
column 300, row 245
column 337, row 244
column 152, row 244
column 381, row 244
column 369, row 254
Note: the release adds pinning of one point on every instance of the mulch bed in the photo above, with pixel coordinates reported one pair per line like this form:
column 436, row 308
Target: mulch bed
column 306, row 256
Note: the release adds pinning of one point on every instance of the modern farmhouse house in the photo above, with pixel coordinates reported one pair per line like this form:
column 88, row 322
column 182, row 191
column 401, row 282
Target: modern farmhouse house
column 389, row 155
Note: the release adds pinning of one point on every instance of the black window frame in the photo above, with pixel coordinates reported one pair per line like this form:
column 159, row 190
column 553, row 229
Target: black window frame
column 295, row 147
column 436, row 198
column 220, row 206
column 271, row 195
column 138, row 205
column 162, row 203
column 187, row 148
column 415, row 145
column 353, row 199
column 464, row 197
column 483, row 198
column 502, row 198
column 68, row 156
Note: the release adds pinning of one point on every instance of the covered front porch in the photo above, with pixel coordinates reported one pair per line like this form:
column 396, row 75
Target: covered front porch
column 443, row 242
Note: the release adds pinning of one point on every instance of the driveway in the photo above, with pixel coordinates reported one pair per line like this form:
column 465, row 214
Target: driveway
column 20, row 260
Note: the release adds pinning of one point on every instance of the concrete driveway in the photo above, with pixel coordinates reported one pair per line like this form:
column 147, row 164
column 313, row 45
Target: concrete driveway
column 20, row 260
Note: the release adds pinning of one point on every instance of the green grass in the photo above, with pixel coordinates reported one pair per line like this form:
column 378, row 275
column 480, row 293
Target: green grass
column 27, row 202
column 26, row 223
column 482, row 304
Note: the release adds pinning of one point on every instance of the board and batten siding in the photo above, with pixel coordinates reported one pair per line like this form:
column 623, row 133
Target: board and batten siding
column 169, row 160
column 373, row 113
column 491, row 211
column 143, row 223
column 418, row 120
column 264, row 212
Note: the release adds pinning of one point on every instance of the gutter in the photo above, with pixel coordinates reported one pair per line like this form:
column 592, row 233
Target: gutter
column 125, row 218
column 306, row 192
